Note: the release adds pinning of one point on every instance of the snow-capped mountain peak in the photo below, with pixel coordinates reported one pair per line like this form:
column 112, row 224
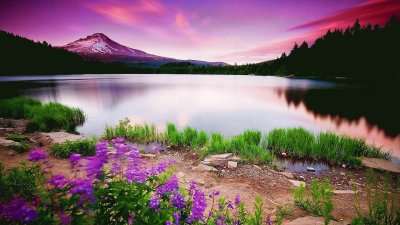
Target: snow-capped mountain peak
column 101, row 45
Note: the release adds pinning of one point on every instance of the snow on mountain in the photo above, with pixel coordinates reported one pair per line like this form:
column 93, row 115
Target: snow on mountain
column 101, row 45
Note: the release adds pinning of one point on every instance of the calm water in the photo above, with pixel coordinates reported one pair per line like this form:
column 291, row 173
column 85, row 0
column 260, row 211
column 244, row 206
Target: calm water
column 227, row 104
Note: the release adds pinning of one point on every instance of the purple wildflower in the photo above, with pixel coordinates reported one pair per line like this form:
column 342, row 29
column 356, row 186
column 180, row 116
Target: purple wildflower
column 192, row 187
column 57, row 181
column 119, row 140
column 102, row 151
column 168, row 223
column 37, row 155
column 230, row 205
column 74, row 158
column 176, row 216
column 178, row 200
column 268, row 221
column 155, row 148
column 18, row 211
column 199, row 205
column 237, row 200
column 64, row 218
column 169, row 187
column 116, row 168
column 84, row 188
column 93, row 166
column 154, row 202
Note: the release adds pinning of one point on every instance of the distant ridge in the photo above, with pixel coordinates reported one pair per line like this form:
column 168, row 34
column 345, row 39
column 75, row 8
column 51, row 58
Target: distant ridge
column 100, row 47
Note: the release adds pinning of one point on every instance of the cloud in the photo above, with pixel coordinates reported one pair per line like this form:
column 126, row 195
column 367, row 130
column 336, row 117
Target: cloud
column 128, row 13
column 373, row 11
column 181, row 21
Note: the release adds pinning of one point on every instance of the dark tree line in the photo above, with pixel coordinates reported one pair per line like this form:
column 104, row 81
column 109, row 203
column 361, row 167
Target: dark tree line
column 355, row 52
column 23, row 56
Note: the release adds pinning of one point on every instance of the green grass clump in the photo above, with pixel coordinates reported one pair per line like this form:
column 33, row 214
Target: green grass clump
column 20, row 147
column 383, row 201
column 320, row 203
column 85, row 147
column 17, row 137
column 17, row 108
column 19, row 181
column 44, row 117
column 138, row 133
column 328, row 146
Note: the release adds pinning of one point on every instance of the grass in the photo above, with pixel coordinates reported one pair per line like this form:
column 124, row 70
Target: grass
column 86, row 147
column 383, row 201
column 20, row 147
column 328, row 146
column 252, row 145
column 320, row 203
column 44, row 117
column 17, row 137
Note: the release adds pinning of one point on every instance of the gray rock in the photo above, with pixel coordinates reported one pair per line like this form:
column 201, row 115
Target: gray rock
column 297, row 183
column 287, row 175
column 308, row 220
column 310, row 169
column 6, row 143
column 205, row 168
column 284, row 154
column 232, row 164
column 380, row 164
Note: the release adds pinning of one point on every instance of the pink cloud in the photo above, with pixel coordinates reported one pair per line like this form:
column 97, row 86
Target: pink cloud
column 128, row 13
column 373, row 11
column 181, row 21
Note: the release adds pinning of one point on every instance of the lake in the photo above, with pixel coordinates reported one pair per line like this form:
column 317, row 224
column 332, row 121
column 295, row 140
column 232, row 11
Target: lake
column 226, row 104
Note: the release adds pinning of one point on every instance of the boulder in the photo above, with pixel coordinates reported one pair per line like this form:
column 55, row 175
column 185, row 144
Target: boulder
column 380, row 164
column 257, row 167
column 219, row 160
column 56, row 137
column 310, row 169
column 205, row 168
column 297, row 183
column 232, row 164
column 287, row 175
column 6, row 143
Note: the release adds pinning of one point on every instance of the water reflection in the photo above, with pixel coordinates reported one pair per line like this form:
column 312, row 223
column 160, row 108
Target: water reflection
column 227, row 104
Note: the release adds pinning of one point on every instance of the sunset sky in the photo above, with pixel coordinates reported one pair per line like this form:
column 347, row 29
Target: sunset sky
column 232, row 31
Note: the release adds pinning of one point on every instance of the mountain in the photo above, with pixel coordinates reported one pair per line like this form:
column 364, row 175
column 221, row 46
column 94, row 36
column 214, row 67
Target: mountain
column 100, row 47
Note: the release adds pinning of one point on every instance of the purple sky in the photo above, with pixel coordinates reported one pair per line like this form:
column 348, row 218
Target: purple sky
column 215, row 30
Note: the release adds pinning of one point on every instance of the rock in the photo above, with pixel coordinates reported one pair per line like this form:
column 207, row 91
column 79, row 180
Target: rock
column 308, row 220
column 12, row 153
column 310, row 169
column 200, row 182
column 222, row 156
column 181, row 177
column 235, row 158
column 297, row 183
column 381, row 164
column 257, row 167
column 4, row 131
column 344, row 165
column 205, row 168
column 59, row 137
column 214, row 162
column 284, row 154
column 6, row 143
column 287, row 175
column 302, row 177
column 344, row 192
column 343, row 174
column 232, row 165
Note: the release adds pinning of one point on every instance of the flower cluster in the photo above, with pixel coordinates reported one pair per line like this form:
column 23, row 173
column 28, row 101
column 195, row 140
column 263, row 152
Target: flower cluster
column 129, row 183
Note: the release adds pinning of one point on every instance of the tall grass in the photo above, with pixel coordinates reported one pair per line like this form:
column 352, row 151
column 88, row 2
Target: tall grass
column 328, row 146
column 44, row 117
column 252, row 145
column 85, row 147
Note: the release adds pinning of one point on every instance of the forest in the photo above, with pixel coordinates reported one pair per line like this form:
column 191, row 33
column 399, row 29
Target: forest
column 356, row 52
